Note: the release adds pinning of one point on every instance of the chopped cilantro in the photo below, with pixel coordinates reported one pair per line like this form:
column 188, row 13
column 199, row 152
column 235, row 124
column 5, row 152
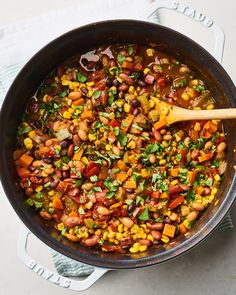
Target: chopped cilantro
column 116, row 131
column 121, row 58
column 144, row 216
column 30, row 202
column 122, row 139
column 51, row 210
column 63, row 94
column 178, row 157
column 97, row 189
column 190, row 197
column 128, row 201
column 23, row 130
column 39, row 195
column 80, row 77
column 38, row 204
column 97, row 94
column 66, row 159
column 94, row 178
column 47, row 184
column 109, row 195
column 81, row 211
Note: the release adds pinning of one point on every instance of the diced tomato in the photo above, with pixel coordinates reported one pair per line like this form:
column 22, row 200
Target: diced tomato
column 162, row 81
column 115, row 123
column 149, row 79
column 23, row 172
column 92, row 169
column 176, row 202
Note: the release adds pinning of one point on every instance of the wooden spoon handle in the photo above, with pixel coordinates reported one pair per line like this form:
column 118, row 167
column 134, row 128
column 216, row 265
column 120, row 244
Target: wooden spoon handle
column 218, row 114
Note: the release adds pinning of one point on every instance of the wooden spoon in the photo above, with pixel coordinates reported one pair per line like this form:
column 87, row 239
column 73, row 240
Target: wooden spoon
column 170, row 114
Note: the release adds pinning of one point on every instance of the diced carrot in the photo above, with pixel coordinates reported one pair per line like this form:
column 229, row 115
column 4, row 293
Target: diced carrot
column 87, row 115
column 209, row 129
column 182, row 228
column 176, row 202
column 125, row 124
column 121, row 165
column 156, row 195
column 23, row 172
column 169, row 230
column 25, row 160
column 205, row 157
column 161, row 123
column 77, row 156
column 191, row 176
column 57, row 203
column 174, row 172
column 127, row 65
column 73, row 214
column 78, row 102
column 200, row 190
column 130, row 184
column 103, row 173
column 144, row 173
column 193, row 134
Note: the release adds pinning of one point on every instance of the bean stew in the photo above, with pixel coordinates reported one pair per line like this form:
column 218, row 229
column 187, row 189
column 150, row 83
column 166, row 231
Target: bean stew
column 94, row 166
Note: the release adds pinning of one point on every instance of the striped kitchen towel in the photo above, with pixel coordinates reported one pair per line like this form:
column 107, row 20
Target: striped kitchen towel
column 21, row 40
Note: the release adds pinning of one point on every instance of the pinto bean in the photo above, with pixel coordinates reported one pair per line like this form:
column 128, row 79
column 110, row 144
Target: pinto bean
column 155, row 226
column 145, row 242
column 192, row 216
column 116, row 150
column 187, row 141
column 152, row 158
column 45, row 215
column 72, row 221
column 195, row 153
column 208, row 145
column 74, row 192
column 198, row 206
column 220, row 155
column 91, row 241
column 76, row 139
column 74, row 95
column 156, row 235
column 103, row 210
column 221, row 147
column 87, row 186
column 70, row 151
column 83, row 135
column 156, row 135
column 126, row 221
column 126, row 79
column 72, row 238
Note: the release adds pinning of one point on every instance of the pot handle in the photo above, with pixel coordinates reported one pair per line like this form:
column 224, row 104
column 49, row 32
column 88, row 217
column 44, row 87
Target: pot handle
column 51, row 276
column 194, row 14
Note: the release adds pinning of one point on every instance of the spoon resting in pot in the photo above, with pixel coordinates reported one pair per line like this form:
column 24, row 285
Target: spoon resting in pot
column 169, row 114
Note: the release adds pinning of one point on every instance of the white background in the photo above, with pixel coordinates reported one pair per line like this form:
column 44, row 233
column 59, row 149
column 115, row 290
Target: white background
column 208, row 269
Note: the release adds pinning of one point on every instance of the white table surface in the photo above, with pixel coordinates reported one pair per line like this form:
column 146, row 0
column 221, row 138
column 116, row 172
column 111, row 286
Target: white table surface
column 208, row 269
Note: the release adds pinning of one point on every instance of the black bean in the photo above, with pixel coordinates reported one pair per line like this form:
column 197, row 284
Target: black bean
column 115, row 82
column 141, row 83
column 84, row 61
column 90, row 65
column 167, row 220
column 65, row 174
column 98, row 66
column 84, row 90
column 56, row 157
column 31, row 169
column 47, row 160
column 109, row 82
column 131, row 207
column 63, row 144
column 136, row 103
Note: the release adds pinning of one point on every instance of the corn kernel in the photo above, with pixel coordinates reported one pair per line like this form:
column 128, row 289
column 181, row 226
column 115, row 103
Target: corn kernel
column 31, row 134
column 151, row 104
column 131, row 89
column 111, row 235
column 92, row 137
column 66, row 115
column 164, row 143
column 39, row 188
column 217, row 177
column 165, row 239
column 85, row 160
column 65, row 82
column 76, row 122
column 134, row 229
column 71, row 231
column 60, row 226
column 126, row 107
column 186, row 223
column 120, row 228
column 108, row 147
column 136, row 245
column 174, row 143
column 195, row 82
column 28, row 143
column 174, row 182
column 90, row 83
column 44, row 174
column 102, row 129
column 51, row 193
column 214, row 190
column 119, row 102
column 131, row 144
column 70, row 110
column 90, row 93
column 142, row 248
column 211, row 198
column 210, row 106
column 185, row 96
column 197, row 126
column 133, row 250
column 45, row 98
column 150, row 238
column 150, row 51
column 119, row 236
column 162, row 162
column 85, row 235
column 146, row 70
